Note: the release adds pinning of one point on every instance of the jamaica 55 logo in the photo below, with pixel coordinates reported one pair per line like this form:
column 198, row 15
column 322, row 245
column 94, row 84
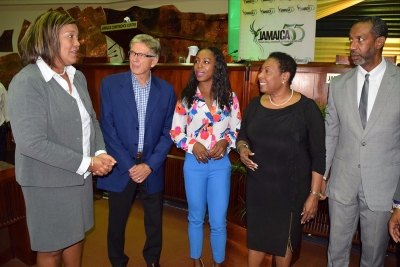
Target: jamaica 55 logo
column 288, row 35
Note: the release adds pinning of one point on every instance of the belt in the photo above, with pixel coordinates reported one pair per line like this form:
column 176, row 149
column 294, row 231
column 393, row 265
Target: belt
column 139, row 155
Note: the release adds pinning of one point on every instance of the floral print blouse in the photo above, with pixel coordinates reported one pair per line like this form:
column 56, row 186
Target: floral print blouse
column 199, row 124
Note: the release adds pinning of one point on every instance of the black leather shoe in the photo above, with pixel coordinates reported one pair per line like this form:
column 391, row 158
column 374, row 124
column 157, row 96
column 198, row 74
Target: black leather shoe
column 154, row 264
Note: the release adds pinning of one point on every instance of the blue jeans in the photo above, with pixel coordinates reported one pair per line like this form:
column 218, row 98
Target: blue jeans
column 207, row 185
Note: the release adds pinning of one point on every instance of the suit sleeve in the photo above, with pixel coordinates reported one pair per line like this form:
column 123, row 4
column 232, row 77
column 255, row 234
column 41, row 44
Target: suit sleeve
column 160, row 152
column 4, row 111
column 113, row 143
column 316, row 137
column 29, row 119
column 331, row 128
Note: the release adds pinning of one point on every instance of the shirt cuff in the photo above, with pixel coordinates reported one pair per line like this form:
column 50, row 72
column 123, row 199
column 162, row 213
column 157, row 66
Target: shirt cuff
column 100, row 152
column 396, row 204
column 84, row 165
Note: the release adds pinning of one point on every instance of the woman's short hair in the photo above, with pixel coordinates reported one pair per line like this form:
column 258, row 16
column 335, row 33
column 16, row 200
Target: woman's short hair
column 149, row 41
column 42, row 40
column 285, row 63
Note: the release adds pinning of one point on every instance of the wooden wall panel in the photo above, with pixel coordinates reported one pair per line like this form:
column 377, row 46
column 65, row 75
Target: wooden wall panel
column 94, row 74
column 310, row 79
column 178, row 75
column 237, row 77
column 174, row 188
column 12, row 215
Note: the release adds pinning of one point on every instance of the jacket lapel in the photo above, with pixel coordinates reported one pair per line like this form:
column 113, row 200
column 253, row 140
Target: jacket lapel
column 128, row 94
column 82, row 94
column 385, row 88
column 154, row 98
column 351, row 85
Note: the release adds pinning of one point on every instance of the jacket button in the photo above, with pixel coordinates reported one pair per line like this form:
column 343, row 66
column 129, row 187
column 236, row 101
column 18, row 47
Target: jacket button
column 363, row 144
column 359, row 166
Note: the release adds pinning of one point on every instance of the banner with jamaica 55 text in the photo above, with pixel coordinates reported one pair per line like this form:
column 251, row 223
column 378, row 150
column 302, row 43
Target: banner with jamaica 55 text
column 277, row 25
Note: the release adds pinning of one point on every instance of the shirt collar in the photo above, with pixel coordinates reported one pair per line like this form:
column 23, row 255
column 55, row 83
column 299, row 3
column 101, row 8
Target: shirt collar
column 48, row 73
column 380, row 68
column 136, row 82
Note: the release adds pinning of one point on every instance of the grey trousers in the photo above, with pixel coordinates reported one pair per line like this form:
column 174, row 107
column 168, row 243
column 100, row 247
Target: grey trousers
column 343, row 224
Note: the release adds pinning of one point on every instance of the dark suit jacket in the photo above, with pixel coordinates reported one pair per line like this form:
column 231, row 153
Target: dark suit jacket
column 120, row 126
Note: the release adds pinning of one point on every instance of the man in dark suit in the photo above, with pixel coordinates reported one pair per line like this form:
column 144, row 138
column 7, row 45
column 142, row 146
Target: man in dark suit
column 136, row 116
column 363, row 147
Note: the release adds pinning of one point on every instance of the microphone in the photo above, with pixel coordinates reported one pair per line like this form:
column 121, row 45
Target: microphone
column 233, row 52
column 112, row 52
column 111, row 46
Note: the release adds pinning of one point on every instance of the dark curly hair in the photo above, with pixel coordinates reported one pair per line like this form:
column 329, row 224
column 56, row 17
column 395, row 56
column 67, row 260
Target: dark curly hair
column 221, row 86
column 286, row 64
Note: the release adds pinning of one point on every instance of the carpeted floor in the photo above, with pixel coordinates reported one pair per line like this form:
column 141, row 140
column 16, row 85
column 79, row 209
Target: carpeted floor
column 175, row 242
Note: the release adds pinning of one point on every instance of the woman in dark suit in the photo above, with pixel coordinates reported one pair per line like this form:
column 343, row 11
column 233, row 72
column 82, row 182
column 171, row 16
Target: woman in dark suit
column 59, row 144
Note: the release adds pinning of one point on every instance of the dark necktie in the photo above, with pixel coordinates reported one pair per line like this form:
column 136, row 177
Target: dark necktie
column 362, row 108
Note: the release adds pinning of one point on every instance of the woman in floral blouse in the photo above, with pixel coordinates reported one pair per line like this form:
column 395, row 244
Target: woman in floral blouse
column 206, row 123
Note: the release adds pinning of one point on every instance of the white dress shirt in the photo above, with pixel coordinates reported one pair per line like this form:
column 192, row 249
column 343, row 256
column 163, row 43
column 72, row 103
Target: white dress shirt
column 48, row 74
column 375, row 79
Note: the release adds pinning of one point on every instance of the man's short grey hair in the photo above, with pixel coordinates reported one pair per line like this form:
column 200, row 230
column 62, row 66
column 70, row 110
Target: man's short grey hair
column 149, row 41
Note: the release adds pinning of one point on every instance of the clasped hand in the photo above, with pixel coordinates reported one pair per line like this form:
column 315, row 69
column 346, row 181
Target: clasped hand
column 139, row 173
column 217, row 152
column 394, row 225
column 102, row 164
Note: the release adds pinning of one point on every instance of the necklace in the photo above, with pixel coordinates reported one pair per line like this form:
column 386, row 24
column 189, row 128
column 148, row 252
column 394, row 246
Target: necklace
column 61, row 74
column 278, row 105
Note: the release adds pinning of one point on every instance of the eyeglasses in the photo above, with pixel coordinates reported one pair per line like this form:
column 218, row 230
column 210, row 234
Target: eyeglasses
column 140, row 55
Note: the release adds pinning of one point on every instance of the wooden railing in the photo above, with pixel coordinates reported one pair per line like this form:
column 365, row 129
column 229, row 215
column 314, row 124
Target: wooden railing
column 12, row 217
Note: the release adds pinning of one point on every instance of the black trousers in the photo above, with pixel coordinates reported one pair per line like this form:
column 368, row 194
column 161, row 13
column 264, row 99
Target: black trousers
column 119, row 208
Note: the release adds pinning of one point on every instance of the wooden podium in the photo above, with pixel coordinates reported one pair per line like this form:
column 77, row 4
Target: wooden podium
column 122, row 33
column 13, row 218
